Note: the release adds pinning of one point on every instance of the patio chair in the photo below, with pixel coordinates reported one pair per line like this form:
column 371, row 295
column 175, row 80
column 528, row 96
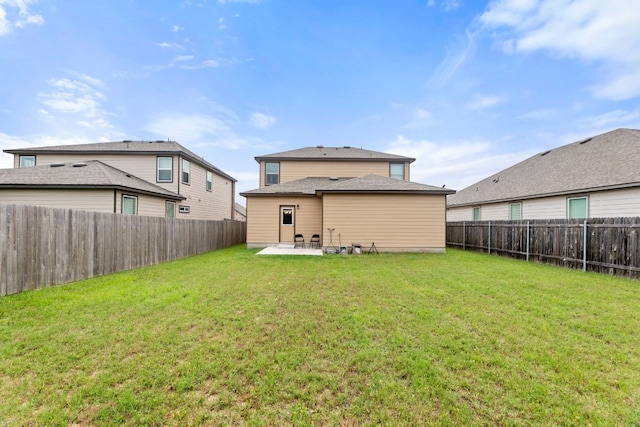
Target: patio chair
column 315, row 241
column 298, row 241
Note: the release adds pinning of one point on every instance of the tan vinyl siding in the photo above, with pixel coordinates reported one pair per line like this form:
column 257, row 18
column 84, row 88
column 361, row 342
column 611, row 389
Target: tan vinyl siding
column 147, row 205
column 203, row 204
column 263, row 218
column 213, row 205
column 393, row 221
column 88, row 200
column 294, row 170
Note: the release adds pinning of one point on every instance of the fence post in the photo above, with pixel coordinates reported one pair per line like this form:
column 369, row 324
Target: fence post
column 464, row 236
column 584, row 248
column 489, row 238
column 528, row 227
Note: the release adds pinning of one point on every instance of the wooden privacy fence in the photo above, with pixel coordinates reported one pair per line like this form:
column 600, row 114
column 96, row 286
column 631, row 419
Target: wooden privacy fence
column 603, row 245
column 41, row 246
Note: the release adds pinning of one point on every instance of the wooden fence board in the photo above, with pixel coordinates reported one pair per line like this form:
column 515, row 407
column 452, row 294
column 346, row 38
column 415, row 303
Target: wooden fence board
column 41, row 247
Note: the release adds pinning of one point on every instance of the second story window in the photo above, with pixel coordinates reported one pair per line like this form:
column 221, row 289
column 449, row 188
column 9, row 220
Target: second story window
column 27, row 161
column 272, row 171
column 186, row 171
column 209, row 180
column 396, row 170
column 165, row 169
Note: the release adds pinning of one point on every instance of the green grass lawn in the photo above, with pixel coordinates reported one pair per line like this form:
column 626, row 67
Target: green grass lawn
column 411, row 339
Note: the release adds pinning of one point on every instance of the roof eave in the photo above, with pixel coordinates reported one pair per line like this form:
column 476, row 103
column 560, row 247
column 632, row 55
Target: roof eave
column 89, row 187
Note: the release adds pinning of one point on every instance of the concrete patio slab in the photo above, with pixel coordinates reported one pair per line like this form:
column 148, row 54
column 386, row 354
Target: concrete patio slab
column 284, row 249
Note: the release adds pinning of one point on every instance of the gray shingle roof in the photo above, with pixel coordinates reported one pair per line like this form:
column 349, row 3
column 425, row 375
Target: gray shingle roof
column 365, row 184
column 605, row 161
column 125, row 147
column 333, row 153
column 94, row 174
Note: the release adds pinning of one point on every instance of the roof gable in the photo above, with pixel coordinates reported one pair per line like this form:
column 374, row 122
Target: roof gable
column 605, row 161
column 334, row 153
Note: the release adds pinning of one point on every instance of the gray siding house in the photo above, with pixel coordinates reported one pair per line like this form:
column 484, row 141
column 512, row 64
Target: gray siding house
column 594, row 177
column 202, row 190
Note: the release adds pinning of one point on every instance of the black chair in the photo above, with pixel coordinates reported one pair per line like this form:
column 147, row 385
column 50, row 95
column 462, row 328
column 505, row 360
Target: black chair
column 315, row 241
column 298, row 241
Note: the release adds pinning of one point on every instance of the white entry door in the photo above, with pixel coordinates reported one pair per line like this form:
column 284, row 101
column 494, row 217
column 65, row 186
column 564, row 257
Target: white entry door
column 287, row 224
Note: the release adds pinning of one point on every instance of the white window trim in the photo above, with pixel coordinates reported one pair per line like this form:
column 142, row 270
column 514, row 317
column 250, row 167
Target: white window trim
column 209, row 178
column 473, row 213
column 586, row 198
column 158, row 169
column 513, row 204
column 168, row 203
column 187, row 171
column 266, row 174
column 391, row 167
column 20, row 157
column 128, row 196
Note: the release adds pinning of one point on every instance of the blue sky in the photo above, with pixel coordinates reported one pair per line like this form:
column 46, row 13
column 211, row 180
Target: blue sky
column 466, row 87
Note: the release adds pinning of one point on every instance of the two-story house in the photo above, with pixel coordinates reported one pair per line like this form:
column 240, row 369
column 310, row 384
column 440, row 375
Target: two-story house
column 591, row 178
column 345, row 195
column 157, row 178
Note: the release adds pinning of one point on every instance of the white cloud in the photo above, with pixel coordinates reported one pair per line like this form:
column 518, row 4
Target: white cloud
column 485, row 101
column 454, row 59
column 538, row 114
column 199, row 129
column 177, row 28
column 79, row 98
column 456, row 164
column 262, row 121
column 23, row 18
column 590, row 30
column 174, row 46
column 616, row 118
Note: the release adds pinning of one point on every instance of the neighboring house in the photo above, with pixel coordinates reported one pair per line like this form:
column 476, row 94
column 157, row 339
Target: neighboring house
column 595, row 177
column 206, row 192
column 240, row 213
column 90, row 185
column 363, row 196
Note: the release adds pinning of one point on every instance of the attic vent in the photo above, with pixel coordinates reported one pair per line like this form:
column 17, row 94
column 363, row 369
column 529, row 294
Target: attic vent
column 333, row 178
column 127, row 175
column 56, row 165
column 126, row 140
column 79, row 165
column 320, row 146
column 584, row 141
column 545, row 153
column 346, row 146
column 159, row 141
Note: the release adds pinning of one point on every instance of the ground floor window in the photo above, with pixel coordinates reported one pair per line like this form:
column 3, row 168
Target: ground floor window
column 476, row 214
column 170, row 209
column 287, row 216
column 577, row 207
column 129, row 205
column 515, row 211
